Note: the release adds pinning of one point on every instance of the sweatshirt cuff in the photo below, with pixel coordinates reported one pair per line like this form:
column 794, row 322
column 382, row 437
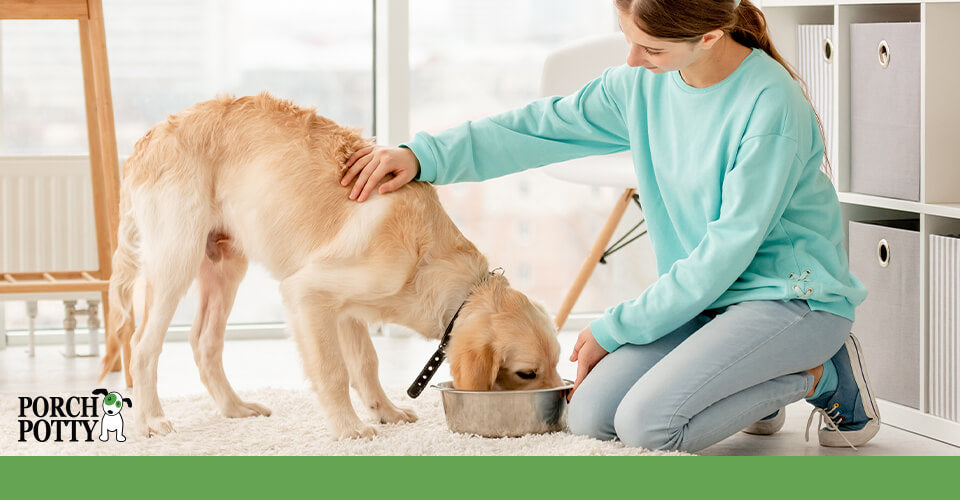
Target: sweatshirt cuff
column 603, row 334
column 428, row 162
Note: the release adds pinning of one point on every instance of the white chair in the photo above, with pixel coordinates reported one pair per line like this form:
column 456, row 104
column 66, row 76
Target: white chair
column 565, row 71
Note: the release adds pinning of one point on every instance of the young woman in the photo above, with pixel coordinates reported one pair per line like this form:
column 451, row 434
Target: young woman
column 754, row 302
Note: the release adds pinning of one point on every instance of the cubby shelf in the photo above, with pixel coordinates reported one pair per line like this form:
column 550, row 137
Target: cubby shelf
column 938, row 209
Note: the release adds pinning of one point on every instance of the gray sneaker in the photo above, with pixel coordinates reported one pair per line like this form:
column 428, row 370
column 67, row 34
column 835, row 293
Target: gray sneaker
column 850, row 412
column 768, row 425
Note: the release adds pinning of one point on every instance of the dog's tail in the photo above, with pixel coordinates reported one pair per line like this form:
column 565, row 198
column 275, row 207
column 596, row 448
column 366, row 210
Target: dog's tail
column 126, row 268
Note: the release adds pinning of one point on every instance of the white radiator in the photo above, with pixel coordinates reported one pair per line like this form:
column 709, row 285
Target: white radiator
column 944, row 345
column 46, row 214
column 47, row 224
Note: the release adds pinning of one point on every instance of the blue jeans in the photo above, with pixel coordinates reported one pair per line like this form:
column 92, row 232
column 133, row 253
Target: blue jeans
column 708, row 379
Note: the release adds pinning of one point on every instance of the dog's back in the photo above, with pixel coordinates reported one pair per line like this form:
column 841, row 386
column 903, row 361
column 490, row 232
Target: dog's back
column 265, row 174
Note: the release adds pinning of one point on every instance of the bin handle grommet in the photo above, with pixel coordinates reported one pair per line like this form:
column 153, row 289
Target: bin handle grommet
column 883, row 54
column 883, row 253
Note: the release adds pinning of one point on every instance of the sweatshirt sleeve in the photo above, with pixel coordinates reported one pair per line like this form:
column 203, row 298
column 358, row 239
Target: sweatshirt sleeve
column 552, row 129
column 755, row 193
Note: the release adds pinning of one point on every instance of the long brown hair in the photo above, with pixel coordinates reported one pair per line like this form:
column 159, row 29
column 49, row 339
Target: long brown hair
column 689, row 20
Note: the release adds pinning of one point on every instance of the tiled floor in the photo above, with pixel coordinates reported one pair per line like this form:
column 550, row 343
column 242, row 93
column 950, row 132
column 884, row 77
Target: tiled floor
column 260, row 363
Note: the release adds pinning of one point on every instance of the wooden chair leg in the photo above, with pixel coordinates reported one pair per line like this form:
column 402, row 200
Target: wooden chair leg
column 126, row 363
column 599, row 246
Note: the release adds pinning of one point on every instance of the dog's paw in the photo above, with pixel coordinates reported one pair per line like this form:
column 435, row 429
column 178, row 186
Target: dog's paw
column 155, row 426
column 358, row 432
column 245, row 409
column 396, row 414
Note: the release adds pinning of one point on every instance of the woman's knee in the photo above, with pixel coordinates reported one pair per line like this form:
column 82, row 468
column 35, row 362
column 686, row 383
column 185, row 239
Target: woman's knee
column 587, row 416
column 638, row 423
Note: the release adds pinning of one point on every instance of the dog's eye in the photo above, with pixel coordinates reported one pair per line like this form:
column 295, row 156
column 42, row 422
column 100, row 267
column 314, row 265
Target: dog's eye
column 527, row 374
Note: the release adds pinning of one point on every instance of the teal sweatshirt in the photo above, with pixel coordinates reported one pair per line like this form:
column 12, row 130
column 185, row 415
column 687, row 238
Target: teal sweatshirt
column 735, row 203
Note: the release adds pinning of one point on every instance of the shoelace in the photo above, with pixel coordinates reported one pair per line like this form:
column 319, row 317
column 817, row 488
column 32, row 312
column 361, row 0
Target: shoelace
column 827, row 417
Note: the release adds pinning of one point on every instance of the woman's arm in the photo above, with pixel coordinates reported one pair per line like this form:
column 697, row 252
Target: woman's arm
column 548, row 130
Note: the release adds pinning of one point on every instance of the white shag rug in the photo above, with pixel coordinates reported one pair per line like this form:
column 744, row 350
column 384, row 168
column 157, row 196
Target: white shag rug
column 297, row 427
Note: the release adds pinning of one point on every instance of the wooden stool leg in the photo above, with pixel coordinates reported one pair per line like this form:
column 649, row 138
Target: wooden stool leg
column 109, row 328
column 104, row 165
column 126, row 364
column 599, row 246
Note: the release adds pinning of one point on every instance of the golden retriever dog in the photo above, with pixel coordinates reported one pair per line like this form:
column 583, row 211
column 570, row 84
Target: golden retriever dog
column 257, row 178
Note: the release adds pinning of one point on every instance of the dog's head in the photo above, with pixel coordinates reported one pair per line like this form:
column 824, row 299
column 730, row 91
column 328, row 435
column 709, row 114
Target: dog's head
column 503, row 341
column 112, row 401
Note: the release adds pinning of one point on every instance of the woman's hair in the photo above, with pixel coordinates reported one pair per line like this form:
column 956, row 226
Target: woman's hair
column 689, row 20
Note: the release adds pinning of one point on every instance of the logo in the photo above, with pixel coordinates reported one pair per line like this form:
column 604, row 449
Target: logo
column 72, row 419
column 112, row 421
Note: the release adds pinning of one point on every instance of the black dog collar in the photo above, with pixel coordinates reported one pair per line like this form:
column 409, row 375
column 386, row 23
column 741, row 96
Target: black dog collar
column 437, row 359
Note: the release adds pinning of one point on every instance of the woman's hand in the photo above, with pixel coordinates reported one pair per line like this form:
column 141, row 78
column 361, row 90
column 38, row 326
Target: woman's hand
column 587, row 353
column 371, row 164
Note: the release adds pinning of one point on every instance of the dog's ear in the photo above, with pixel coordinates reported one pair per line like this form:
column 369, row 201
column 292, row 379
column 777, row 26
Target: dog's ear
column 474, row 369
column 127, row 402
column 100, row 392
column 474, row 362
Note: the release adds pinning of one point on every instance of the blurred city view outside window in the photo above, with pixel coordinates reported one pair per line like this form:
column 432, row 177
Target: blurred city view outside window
column 472, row 59
column 468, row 59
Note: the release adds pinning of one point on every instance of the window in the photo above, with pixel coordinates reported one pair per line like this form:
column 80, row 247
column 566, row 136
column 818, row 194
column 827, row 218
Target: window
column 468, row 59
column 471, row 59
column 166, row 55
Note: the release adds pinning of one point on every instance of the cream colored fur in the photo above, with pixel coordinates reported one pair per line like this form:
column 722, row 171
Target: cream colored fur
column 233, row 179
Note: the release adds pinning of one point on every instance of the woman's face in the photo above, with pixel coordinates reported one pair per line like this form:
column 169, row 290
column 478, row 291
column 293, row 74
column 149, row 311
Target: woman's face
column 656, row 54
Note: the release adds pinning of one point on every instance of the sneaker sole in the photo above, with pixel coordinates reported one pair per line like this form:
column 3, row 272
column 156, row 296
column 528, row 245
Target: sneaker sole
column 768, row 427
column 861, row 436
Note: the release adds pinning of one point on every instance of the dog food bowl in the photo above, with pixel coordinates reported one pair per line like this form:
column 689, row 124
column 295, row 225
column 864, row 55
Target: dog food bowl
column 505, row 413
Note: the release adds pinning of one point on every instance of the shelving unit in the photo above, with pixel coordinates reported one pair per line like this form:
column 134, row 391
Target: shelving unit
column 938, row 209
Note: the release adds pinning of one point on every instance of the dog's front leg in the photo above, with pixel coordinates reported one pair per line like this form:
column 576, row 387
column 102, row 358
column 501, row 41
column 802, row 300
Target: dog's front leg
column 314, row 327
column 362, row 364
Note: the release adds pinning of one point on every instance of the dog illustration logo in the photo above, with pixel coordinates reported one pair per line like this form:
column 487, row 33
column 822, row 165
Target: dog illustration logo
column 112, row 421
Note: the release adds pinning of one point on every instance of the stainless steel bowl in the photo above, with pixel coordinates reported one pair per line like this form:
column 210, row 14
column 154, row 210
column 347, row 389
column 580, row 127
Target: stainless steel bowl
column 505, row 413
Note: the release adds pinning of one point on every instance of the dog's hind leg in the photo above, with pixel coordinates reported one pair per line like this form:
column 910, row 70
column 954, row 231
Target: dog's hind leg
column 174, row 232
column 220, row 276
column 362, row 364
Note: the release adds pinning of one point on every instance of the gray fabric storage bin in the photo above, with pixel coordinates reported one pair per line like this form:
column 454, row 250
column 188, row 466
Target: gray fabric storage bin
column 885, row 110
column 885, row 255
column 943, row 363
column 816, row 67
